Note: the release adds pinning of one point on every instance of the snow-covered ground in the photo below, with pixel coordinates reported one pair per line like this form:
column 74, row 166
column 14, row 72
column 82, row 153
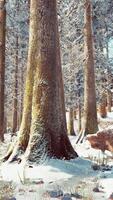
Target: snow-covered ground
column 80, row 178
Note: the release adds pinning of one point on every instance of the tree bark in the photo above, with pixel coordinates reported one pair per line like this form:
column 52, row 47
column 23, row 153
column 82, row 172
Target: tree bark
column 22, row 94
column 109, row 101
column 2, row 64
column 103, row 111
column 79, row 118
column 71, row 122
column 44, row 96
column 15, row 103
column 90, row 113
column 48, row 127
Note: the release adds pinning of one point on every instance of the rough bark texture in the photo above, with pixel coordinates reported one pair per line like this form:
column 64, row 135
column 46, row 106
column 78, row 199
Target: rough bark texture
column 90, row 113
column 2, row 65
column 103, row 111
column 71, row 122
column 15, row 103
column 48, row 127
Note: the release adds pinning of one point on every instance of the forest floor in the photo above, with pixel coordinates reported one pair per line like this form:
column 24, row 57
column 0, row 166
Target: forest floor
column 79, row 179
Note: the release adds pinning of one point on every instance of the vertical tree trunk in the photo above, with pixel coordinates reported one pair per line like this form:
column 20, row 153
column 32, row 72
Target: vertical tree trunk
column 71, row 122
column 15, row 103
column 75, row 113
column 90, row 113
column 109, row 101
column 109, row 95
column 103, row 111
column 79, row 118
column 44, row 94
column 2, row 64
column 48, row 128
column 22, row 94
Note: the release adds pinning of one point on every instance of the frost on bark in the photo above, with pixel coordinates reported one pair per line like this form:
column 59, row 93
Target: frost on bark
column 2, row 65
column 90, row 113
column 44, row 93
column 48, row 127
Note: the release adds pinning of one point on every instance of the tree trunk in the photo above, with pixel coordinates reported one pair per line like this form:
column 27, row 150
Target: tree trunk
column 22, row 94
column 109, row 101
column 103, row 111
column 71, row 122
column 48, row 128
column 90, row 113
column 2, row 64
column 44, row 94
column 79, row 118
column 75, row 114
column 15, row 103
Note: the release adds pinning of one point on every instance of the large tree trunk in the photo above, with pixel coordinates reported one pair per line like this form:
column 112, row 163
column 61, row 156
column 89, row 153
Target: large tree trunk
column 90, row 113
column 2, row 64
column 15, row 103
column 48, row 127
column 44, row 82
column 71, row 122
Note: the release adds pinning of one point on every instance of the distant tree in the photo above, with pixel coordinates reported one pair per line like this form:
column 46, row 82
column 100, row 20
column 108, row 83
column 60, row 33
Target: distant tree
column 2, row 64
column 15, row 103
column 90, row 111
column 44, row 89
column 71, row 122
column 103, row 103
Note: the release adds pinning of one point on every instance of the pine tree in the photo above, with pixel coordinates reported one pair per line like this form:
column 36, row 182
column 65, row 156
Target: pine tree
column 71, row 122
column 44, row 94
column 2, row 64
column 90, row 113
column 15, row 103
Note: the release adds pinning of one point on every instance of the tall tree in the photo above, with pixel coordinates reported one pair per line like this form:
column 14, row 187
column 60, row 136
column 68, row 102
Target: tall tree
column 2, row 64
column 90, row 112
column 15, row 103
column 48, row 124
column 103, row 103
column 71, row 122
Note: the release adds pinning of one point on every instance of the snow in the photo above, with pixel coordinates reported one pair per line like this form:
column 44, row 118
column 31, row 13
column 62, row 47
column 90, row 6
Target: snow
column 52, row 170
column 108, row 118
column 60, row 175
column 107, row 185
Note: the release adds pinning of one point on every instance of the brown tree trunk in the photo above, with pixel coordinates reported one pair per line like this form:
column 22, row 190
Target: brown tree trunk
column 71, row 122
column 44, row 84
column 15, row 103
column 103, row 111
column 90, row 113
column 48, row 127
column 109, row 101
column 22, row 94
column 2, row 64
